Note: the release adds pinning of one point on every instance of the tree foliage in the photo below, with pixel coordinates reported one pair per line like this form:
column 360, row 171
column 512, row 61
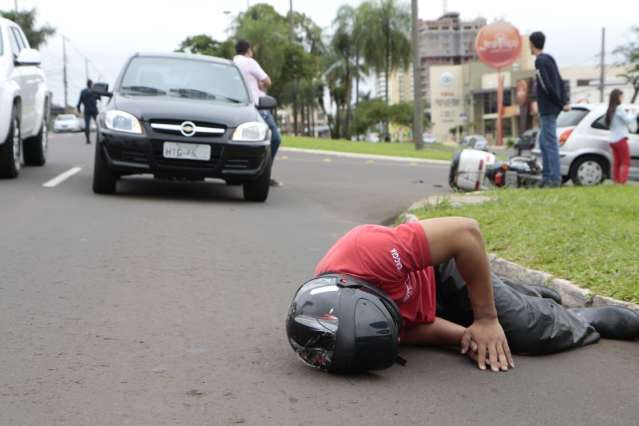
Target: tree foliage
column 26, row 20
column 629, row 53
column 370, row 115
column 386, row 43
column 306, row 64
column 205, row 45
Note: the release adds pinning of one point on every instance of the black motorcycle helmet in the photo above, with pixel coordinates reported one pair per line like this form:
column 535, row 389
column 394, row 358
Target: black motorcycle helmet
column 341, row 324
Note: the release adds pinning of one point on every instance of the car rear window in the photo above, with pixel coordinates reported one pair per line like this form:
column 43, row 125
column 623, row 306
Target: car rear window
column 571, row 118
column 188, row 78
column 600, row 124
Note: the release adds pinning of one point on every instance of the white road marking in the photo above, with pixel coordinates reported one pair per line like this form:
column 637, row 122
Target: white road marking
column 61, row 177
column 370, row 161
column 327, row 160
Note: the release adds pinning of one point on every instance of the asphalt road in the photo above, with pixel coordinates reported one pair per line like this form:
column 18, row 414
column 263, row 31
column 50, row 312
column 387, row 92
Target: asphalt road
column 165, row 304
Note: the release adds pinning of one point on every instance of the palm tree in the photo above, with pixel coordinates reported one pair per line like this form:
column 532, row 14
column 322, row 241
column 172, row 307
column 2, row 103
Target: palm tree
column 387, row 23
column 345, row 65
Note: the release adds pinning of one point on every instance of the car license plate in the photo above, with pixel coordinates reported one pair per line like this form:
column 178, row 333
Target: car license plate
column 186, row 151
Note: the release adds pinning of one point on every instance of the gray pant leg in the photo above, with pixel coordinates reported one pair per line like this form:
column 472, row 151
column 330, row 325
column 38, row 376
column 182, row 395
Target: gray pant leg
column 533, row 325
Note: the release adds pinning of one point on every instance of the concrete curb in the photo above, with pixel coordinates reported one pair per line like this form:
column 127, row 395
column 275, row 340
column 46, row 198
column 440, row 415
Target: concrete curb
column 572, row 295
column 366, row 156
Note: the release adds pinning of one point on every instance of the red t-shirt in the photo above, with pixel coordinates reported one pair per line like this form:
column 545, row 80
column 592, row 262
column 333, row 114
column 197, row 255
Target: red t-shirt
column 397, row 260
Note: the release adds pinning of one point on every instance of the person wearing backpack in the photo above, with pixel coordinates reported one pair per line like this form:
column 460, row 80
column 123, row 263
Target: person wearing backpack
column 551, row 99
column 618, row 120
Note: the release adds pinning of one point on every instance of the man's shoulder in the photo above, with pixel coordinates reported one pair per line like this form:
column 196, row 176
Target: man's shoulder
column 545, row 58
column 241, row 59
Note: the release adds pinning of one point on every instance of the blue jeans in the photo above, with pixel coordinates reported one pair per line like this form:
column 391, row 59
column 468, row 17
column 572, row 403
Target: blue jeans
column 549, row 147
column 276, row 139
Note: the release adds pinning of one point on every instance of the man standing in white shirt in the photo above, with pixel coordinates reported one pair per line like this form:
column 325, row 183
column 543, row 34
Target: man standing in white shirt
column 258, row 81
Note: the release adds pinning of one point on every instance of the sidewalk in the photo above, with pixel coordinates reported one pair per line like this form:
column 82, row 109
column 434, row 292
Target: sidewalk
column 365, row 156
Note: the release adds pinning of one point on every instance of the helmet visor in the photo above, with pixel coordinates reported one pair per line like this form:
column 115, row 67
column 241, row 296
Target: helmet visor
column 312, row 324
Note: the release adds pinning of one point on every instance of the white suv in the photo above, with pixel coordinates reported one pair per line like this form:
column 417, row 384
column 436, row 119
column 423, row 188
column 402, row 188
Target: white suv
column 24, row 103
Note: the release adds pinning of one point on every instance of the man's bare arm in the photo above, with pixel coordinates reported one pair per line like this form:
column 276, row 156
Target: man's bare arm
column 461, row 239
column 440, row 333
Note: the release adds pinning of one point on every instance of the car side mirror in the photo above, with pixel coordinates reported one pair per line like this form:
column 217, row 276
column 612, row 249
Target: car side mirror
column 28, row 57
column 101, row 89
column 266, row 102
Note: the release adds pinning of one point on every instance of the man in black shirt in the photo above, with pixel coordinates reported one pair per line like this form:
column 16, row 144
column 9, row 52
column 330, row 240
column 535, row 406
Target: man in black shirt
column 551, row 99
column 89, row 100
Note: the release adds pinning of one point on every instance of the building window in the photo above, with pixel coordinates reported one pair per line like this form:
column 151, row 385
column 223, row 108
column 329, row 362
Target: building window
column 583, row 82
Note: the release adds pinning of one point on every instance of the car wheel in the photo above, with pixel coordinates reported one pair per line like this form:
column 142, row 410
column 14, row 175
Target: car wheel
column 257, row 190
column 10, row 150
column 35, row 148
column 104, row 181
column 588, row 171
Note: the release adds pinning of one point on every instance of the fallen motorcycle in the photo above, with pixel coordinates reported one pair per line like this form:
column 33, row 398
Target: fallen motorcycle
column 475, row 170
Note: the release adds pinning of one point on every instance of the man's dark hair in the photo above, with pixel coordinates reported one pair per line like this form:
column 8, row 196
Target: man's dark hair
column 538, row 39
column 242, row 46
column 89, row 83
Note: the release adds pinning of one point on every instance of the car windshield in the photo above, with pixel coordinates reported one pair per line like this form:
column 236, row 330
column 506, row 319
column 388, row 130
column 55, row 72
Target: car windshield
column 66, row 117
column 184, row 78
column 572, row 117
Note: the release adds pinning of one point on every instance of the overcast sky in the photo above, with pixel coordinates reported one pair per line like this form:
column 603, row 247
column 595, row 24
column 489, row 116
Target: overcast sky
column 108, row 31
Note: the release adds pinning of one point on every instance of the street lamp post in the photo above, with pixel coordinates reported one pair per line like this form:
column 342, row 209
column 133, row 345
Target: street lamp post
column 418, row 117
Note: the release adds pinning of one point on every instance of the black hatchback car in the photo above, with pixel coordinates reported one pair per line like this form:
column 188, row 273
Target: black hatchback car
column 183, row 117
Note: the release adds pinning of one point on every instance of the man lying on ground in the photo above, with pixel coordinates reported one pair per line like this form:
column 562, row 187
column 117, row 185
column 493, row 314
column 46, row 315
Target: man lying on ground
column 429, row 283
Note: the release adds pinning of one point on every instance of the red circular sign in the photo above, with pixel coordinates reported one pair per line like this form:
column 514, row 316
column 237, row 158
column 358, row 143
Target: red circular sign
column 498, row 45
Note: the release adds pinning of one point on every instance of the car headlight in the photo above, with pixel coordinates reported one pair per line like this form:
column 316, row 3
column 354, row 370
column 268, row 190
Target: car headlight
column 121, row 121
column 253, row 131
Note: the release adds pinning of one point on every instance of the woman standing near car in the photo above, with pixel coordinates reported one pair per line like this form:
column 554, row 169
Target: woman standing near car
column 618, row 120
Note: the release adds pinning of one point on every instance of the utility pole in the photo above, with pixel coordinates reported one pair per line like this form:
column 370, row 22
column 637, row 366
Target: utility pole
column 418, row 117
column 64, row 71
column 15, row 6
column 602, row 75
column 290, row 21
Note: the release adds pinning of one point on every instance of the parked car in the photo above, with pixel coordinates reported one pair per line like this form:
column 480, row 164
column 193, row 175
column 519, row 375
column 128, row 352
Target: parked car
column 429, row 138
column 182, row 116
column 67, row 123
column 24, row 103
column 585, row 154
column 474, row 142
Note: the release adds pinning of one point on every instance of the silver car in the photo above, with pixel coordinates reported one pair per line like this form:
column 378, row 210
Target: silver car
column 586, row 157
column 67, row 123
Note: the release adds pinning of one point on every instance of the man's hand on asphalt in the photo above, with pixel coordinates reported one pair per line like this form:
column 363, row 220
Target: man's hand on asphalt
column 485, row 342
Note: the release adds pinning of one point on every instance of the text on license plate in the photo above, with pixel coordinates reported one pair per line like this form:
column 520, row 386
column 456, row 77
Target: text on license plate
column 186, row 151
